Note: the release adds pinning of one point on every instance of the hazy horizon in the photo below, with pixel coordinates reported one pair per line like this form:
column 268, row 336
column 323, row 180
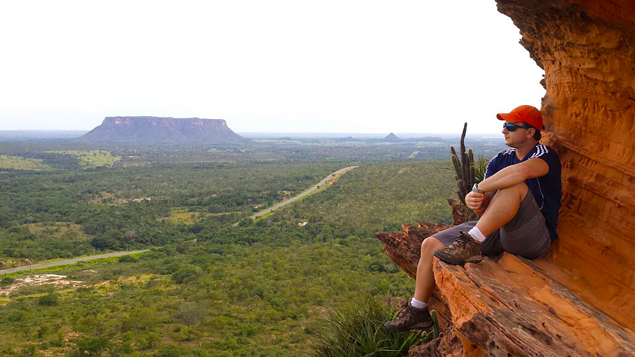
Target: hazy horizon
column 68, row 134
column 279, row 66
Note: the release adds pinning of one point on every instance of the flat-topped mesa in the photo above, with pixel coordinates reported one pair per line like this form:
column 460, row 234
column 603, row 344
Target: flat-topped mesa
column 157, row 129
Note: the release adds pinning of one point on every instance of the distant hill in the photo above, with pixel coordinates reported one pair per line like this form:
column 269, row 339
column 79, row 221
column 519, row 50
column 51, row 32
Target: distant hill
column 348, row 138
column 156, row 129
column 392, row 138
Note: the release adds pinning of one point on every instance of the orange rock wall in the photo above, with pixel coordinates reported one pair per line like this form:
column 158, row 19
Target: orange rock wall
column 587, row 49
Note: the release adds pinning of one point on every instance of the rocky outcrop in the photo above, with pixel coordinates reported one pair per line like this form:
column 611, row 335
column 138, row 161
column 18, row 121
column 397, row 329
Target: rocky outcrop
column 580, row 299
column 507, row 306
column 510, row 307
column 404, row 247
column 587, row 49
column 448, row 344
column 155, row 129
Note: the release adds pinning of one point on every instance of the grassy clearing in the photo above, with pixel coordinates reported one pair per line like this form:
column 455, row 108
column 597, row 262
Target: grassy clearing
column 181, row 216
column 90, row 159
column 20, row 163
column 103, row 198
column 55, row 229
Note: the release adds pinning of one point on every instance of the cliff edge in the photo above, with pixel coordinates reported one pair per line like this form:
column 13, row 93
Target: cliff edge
column 587, row 49
column 579, row 299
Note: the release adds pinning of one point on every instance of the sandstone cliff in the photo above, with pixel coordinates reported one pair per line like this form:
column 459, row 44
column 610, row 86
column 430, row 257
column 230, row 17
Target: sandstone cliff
column 155, row 129
column 587, row 50
column 507, row 306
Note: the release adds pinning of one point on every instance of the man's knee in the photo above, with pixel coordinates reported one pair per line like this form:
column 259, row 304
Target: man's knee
column 519, row 189
column 429, row 245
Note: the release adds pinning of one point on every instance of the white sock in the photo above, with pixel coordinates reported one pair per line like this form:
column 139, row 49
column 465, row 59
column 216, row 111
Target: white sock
column 418, row 304
column 477, row 235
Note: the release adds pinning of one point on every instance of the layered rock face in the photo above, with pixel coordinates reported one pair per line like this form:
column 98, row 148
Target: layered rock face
column 580, row 299
column 156, row 129
column 507, row 306
column 587, row 49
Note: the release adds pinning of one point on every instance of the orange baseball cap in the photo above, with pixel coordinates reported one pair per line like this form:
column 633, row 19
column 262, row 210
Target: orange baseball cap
column 526, row 113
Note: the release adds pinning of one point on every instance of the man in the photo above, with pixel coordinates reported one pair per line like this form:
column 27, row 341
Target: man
column 518, row 204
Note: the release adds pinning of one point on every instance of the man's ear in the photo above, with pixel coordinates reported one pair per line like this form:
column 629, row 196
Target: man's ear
column 530, row 133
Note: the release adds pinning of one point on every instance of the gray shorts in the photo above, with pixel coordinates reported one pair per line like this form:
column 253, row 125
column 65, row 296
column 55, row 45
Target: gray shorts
column 525, row 235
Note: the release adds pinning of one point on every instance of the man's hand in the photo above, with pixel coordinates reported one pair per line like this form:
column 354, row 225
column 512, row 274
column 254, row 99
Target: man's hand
column 477, row 202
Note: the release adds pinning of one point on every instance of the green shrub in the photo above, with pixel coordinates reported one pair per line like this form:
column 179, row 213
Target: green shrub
column 169, row 350
column 190, row 314
column 42, row 331
column 29, row 350
column 355, row 329
column 49, row 299
column 6, row 281
column 147, row 341
column 185, row 274
column 57, row 341
column 91, row 346
column 128, row 259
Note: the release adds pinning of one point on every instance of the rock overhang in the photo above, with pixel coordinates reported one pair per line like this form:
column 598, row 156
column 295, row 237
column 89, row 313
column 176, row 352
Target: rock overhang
column 587, row 50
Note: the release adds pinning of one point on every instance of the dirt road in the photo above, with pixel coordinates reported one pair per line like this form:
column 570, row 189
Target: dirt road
column 70, row 261
column 303, row 194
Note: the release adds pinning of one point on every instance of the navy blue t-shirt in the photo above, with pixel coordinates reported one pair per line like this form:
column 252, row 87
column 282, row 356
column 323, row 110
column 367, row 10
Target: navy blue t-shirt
column 547, row 189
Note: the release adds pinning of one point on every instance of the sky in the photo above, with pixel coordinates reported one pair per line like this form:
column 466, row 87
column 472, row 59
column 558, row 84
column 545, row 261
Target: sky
column 264, row 66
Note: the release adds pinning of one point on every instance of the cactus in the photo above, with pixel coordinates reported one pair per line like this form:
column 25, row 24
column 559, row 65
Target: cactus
column 463, row 167
column 465, row 172
column 435, row 324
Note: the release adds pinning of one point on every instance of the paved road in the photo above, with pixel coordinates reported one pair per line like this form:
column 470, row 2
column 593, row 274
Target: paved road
column 70, row 261
column 303, row 194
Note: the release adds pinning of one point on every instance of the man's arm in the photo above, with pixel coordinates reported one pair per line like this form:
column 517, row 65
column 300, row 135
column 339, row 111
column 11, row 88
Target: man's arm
column 478, row 201
column 514, row 174
column 507, row 177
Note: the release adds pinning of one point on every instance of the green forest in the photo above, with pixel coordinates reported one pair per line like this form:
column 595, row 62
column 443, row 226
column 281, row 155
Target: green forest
column 214, row 282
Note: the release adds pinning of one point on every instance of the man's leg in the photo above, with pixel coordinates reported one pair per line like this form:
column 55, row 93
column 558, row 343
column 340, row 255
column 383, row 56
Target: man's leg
column 425, row 278
column 501, row 209
column 413, row 316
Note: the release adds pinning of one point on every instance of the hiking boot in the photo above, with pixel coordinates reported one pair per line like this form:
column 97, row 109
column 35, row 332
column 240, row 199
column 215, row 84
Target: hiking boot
column 410, row 318
column 464, row 249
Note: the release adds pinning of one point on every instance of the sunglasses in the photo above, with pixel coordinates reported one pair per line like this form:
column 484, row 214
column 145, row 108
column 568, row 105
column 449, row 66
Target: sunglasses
column 513, row 127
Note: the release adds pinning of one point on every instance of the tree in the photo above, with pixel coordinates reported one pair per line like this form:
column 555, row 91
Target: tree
column 49, row 299
column 190, row 314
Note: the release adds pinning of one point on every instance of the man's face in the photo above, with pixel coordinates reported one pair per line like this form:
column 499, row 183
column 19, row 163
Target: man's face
column 518, row 136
